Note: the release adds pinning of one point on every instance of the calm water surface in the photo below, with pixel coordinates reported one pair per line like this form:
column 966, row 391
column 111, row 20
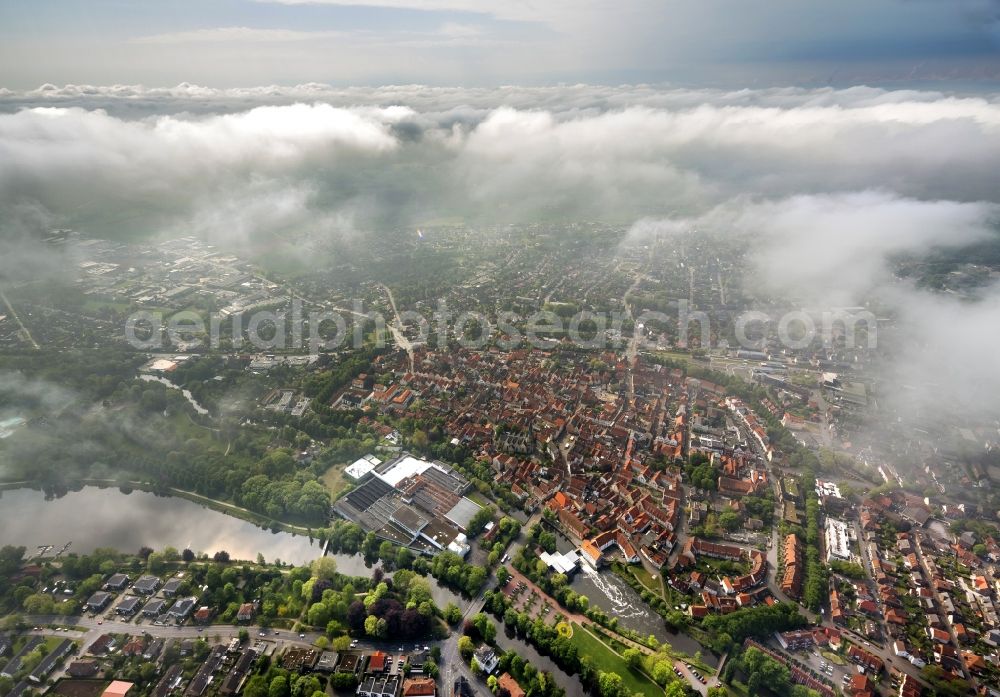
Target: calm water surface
column 95, row 517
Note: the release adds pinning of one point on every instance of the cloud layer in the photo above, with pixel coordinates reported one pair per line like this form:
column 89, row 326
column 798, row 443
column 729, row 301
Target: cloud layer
column 831, row 184
column 589, row 152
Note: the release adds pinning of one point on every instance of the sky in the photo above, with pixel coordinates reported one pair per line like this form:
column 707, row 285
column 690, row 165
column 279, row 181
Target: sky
column 231, row 43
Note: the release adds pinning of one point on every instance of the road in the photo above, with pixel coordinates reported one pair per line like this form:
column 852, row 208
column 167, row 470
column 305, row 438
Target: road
column 396, row 327
column 632, row 350
column 96, row 626
column 947, row 620
column 17, row 318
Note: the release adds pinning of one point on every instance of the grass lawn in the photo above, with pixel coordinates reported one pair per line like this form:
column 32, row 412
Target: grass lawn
column 50, row 643
column 645, row 578
column 833, row 658
column 478, row 498
column 335, row 480
column 608, row 661
column 675, row 356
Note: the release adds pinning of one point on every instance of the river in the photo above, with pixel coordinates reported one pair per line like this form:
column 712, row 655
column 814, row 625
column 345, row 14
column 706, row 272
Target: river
column 616, row 598
column 355, row 565
column 507, row 641
column 95, row 517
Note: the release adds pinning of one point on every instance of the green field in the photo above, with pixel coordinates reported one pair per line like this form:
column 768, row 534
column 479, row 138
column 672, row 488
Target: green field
column 94, row 304
column 646, row 579
column 608, row 661
column 336, row 482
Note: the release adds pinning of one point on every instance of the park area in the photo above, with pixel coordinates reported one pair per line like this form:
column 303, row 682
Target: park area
column 608, row 661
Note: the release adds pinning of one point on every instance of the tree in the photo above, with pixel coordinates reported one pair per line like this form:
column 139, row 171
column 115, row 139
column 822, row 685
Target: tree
column 10, row 559
column 344, row 682
column 633, row 657
column 484, row 627
column 305, row 686
column 156, row 563
column 942, row 683
column 187, row 555
column 662, row 670
column 730, row 520
column 279, row 687
column 324, row 568
column 256, row 687
column 38, row 604
column 765, row 671
column 479, row 521
column 609, row 684
column 675, row 689
column 466, row 647
column 503, row 576
column 452, row 614
column 318, row 615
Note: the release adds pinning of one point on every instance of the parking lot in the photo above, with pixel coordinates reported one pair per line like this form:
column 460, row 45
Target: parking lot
column 525, row 598
column 824, row 669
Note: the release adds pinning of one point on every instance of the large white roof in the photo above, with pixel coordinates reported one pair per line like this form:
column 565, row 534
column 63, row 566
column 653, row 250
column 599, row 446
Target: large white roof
column 407, row 466
column 362, row 467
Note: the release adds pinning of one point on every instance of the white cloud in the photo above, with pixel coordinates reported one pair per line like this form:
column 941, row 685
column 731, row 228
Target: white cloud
column 828, row 184
column 236, row 34
column 588, row 151
column 521, row 10
column 835, row 250
column 459, row 30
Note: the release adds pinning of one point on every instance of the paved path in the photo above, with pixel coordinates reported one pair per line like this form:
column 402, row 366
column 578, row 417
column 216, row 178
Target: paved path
column 17, row 318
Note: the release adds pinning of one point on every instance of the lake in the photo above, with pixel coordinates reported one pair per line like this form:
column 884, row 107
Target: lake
column 95, row 517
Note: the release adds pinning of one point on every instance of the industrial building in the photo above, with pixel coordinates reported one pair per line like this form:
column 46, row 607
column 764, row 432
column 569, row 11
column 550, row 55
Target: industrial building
column 410, row 501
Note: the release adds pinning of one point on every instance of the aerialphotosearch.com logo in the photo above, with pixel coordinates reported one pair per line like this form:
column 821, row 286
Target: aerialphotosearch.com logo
column 329, row 330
